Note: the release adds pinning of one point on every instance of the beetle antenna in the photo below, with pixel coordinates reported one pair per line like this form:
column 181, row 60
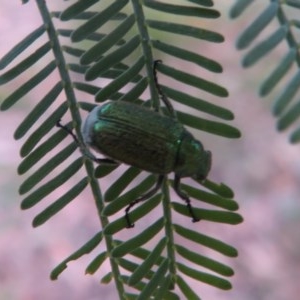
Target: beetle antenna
column 184, row 197
column 164, row 98
column 144, row 197
column 69, row 131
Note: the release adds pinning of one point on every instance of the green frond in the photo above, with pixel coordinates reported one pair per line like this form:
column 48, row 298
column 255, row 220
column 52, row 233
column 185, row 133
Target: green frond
column 284, row 78
column 116, row 45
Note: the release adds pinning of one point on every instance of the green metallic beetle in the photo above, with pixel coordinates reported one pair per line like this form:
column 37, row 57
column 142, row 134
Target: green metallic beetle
column 137, row 136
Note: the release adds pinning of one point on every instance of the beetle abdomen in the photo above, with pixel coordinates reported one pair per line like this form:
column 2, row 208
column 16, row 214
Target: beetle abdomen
column 136, row 136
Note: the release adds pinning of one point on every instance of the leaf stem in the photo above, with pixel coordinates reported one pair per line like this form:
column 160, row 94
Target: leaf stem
column 73, row 106
column 147, row 51
column 169, row 231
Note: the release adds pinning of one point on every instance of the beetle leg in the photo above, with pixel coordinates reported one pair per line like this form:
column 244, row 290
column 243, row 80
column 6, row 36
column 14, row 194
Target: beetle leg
column 143, row 198
column 164, row 98
column 184, row 197
column 84, row 150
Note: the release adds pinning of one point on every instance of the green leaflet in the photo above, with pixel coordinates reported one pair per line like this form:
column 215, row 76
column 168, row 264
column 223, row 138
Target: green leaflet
column 282, row 68
column 186, row 289
column 257, row 26
column 108, row 41
column 96, row 263
column 154, row 282
column 186, row 55
column 194, row 81
column 86, row 248
column 38, row 111
column 138, row 240
column 185, row 30
column 112, row 58
column 205, row 277
column 41, row 151
column 289, row 117
column 28, row 86
column 75, row 9
column 238, row 7
column 125, row 199
column 190, row 11
column 226, row 217
column 136, row 214
column 47, row 168
column 119, row 185
column 210, row 198
column 198, row 104
column 97, row 21
column 43, row 129
column 136, row 91
column 51, row 185
column 207, row 3
column 147, row 264
column 207, row 241
column 60, row 203
column 25, row 64
column 204, row 261
column 213, row 127
column 21, row 47
column 120, row 81
column 287, row 94
column 264, row 47
column 292, row 3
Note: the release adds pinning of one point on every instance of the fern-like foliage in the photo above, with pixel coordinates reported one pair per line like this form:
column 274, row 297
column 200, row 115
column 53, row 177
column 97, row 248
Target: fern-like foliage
column 123, row 59
column 286, row 70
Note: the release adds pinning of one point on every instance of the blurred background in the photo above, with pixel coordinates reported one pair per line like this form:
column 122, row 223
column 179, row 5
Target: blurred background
column 262, row 168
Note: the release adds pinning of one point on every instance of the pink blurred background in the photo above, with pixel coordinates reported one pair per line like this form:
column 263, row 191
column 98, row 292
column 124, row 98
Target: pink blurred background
column 261, row 167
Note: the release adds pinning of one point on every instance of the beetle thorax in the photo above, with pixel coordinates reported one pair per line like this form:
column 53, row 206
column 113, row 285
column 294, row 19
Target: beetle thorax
column 192, row 160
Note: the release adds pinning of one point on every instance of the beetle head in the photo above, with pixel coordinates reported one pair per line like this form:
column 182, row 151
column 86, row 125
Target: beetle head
column 204, row 165
column 192, row 160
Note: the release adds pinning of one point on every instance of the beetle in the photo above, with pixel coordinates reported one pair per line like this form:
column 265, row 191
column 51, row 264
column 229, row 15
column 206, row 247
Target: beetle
column 135, row 135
